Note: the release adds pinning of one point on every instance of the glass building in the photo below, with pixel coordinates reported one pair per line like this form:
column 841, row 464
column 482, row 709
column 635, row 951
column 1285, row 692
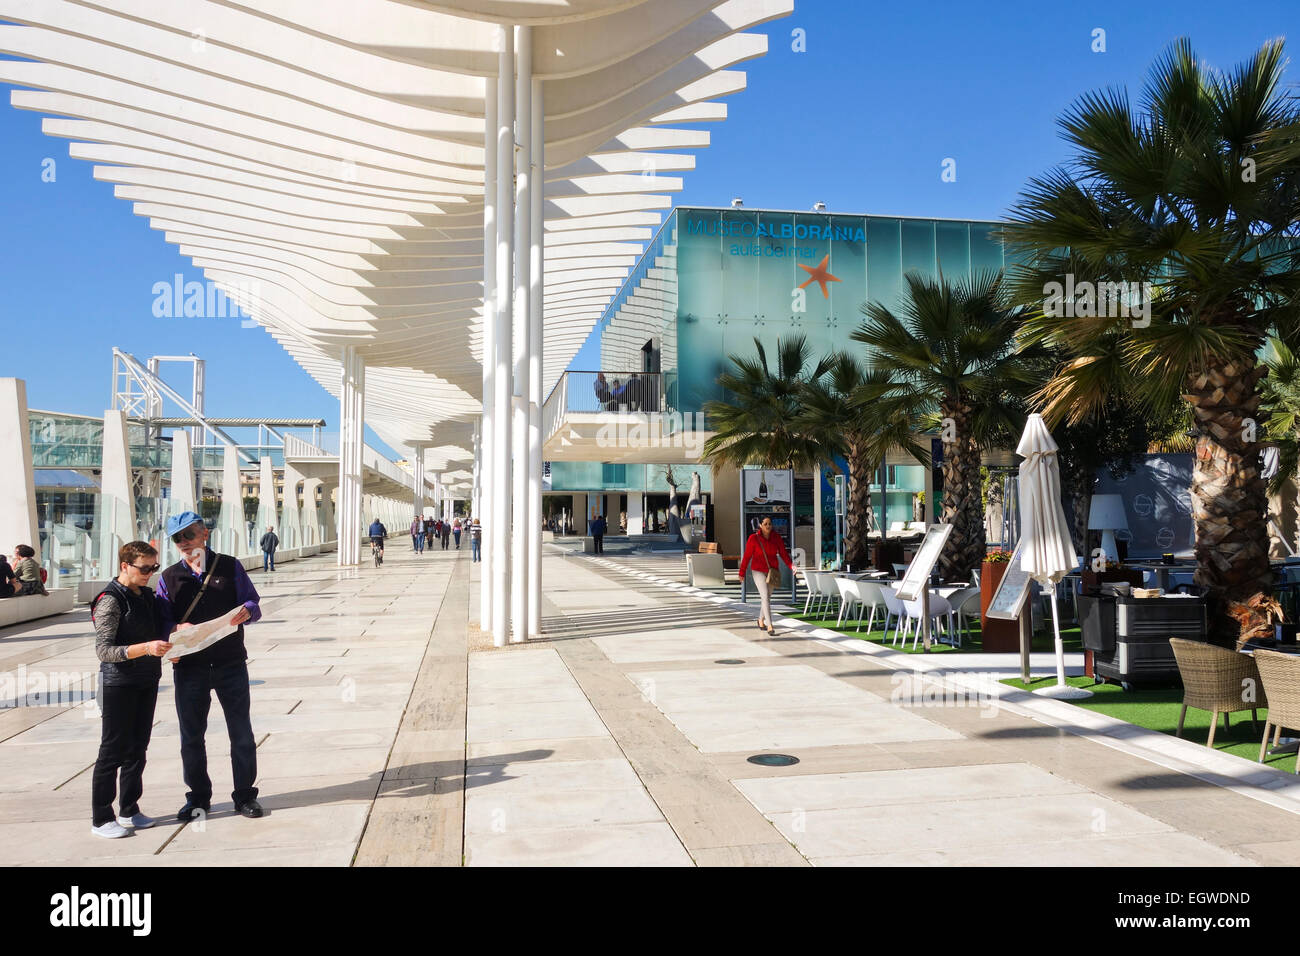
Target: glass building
column 714, row 280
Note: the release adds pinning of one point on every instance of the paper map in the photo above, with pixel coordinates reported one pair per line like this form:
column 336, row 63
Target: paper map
column 191, row 640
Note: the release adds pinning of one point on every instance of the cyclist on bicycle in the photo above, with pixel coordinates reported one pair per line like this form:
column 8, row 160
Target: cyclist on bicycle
column 377, row 534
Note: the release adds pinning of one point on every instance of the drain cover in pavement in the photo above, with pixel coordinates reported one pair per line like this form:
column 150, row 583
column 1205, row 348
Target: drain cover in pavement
column 317, row 640
column 773, row 760
column 730, row 660
column 254, row 683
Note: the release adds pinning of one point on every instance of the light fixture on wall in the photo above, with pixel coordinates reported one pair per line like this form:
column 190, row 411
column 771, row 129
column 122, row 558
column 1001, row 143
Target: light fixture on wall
column 1106, row 514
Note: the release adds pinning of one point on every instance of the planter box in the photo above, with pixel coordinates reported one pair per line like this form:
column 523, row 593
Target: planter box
column 998, row 636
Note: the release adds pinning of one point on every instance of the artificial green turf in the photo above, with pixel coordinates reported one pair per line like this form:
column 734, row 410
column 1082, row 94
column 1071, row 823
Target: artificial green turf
column 1158, row 710
column 971, row 642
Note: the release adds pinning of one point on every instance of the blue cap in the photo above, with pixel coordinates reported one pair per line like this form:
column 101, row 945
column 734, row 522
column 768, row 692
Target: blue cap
column 181, row 521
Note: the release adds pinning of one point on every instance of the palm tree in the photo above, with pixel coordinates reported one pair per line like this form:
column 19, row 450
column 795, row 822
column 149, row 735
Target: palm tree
column 949, row 362
column 760, row 422
column 1191, row 201
column 1280, row 398
column 842, row 420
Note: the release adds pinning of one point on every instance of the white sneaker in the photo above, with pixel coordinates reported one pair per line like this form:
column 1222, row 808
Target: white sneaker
column 139, row 821
column 112, row 830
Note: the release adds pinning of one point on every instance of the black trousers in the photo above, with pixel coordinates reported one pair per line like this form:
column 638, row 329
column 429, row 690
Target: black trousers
column 128, row 723
column 599, row 541
column 194, row 687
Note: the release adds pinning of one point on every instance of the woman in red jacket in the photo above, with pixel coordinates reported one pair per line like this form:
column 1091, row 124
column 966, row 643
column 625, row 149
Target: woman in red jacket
column 763, row 552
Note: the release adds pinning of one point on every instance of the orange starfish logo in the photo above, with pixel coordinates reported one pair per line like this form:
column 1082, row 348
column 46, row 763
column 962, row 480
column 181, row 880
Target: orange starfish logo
column 821, row 275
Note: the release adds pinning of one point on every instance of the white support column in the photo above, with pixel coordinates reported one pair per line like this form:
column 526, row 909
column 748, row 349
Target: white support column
column 234, row 532
column 487, row 468
column 536, row 337
column 182, row 488
column 18, row 500
column 498, row 523
column 417, row 465
column 267, row 515
column 291, row 525
column 351, row 440
column 328, row 522
column 520, row 531
column 309, row 520
column 116, row 520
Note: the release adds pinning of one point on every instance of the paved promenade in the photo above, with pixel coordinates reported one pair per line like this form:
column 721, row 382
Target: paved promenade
column 391, row 733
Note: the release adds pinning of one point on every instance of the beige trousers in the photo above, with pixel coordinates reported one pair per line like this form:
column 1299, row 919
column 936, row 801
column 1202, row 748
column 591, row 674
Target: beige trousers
column 764, row 594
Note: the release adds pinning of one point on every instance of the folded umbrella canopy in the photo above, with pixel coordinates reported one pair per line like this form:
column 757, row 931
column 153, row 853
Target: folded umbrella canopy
column 1046, row 549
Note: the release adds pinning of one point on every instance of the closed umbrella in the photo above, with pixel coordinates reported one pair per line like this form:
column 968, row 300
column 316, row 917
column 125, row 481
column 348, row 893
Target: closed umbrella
column 1046, row 549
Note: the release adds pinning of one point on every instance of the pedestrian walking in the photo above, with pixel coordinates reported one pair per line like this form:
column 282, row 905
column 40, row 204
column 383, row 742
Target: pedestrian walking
column 204, row 585
column 476, row 540
column 417, row 535
column 446, row 534
column 131, row 628
column 597, row 529
column 763, row 553
column 455, row 532
column 270, row 541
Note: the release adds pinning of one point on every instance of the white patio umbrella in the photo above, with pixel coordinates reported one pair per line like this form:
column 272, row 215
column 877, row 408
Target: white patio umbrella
column 1046, row 549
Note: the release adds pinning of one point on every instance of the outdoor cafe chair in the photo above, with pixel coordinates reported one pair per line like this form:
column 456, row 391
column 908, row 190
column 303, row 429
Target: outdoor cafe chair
column 893, row 609
column 806, row 576
column 940, row 611
column 1280, row 680
column 961, row 602
column 844, row 588
column 1216, row 679
column 869, row 594
column 826, row 591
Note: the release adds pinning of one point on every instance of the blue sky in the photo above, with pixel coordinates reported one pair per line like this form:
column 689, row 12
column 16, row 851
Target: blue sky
column 862, row 120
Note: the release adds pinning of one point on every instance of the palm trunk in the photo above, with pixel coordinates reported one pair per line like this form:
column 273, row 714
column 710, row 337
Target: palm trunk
column 962, row 501
column 858, row 507
column 1229, row 496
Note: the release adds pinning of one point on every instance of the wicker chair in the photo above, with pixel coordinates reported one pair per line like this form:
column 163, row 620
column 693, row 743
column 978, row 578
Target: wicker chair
column 1215, row 679
column 1280, row 676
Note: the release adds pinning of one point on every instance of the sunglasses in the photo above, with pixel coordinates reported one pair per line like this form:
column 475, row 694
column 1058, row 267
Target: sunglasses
column 149, row 570
column 187, row 534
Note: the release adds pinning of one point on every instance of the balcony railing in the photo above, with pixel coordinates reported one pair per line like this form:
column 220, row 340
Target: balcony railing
column 618, row 392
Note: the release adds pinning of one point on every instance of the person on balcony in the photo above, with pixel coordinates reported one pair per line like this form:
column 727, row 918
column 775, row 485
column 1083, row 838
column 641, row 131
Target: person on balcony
column 601, row 388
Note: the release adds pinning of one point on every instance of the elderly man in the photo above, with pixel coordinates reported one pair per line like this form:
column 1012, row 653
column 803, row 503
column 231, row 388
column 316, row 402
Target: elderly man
column 201, row 586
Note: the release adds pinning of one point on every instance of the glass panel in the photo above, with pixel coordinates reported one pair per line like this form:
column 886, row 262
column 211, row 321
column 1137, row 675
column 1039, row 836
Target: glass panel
column 918, row 247
column 952, row 246
column 884, row 261
column 985, row 250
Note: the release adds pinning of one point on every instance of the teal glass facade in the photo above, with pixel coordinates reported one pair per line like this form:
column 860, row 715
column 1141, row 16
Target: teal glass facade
column 713, row 280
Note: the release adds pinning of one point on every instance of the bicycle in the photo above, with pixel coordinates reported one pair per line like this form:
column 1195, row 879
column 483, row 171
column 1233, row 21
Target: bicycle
column 377, row 549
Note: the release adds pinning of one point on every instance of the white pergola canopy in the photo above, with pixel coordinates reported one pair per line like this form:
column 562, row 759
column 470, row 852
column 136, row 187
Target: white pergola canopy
column 322, row 161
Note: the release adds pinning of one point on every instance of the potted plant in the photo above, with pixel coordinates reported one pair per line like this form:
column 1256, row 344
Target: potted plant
column 996, row 635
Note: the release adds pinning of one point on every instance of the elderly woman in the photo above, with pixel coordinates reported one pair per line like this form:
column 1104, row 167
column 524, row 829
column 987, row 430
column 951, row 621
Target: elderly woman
column 130, row 624
column 28, row 571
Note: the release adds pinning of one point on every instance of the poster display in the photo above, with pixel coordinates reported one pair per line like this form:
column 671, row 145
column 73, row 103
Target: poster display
column 917, row 577
column 1013, row 589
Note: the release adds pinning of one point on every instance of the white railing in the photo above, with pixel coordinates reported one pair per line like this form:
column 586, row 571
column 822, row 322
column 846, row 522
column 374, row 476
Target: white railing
column 557, row 404
column 295, row 447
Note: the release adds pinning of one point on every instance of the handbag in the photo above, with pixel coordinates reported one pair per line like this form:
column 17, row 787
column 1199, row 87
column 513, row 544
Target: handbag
column 774, row 577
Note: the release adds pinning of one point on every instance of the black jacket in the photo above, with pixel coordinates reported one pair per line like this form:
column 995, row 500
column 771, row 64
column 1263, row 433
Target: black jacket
column 270, row 541
column 220, row 598
column 140, row 621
